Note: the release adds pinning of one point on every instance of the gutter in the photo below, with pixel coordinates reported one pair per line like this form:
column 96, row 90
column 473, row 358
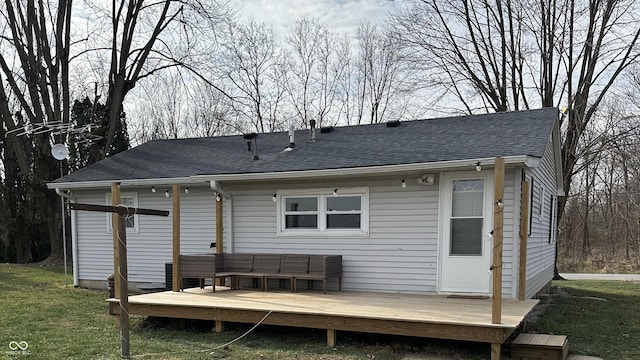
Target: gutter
column 74, row 237
column 522, row 160
column 129, row 182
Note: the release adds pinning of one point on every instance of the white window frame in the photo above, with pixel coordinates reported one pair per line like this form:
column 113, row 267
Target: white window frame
column 541, row 203
column 130, row 195
column 322, row 195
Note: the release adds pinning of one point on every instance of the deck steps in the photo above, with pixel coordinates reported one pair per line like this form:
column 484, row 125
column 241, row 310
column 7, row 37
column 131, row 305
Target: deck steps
column 540, row 346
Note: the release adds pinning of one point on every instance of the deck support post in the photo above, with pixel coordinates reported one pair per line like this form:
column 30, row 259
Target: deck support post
column 524, row 233
column 498, row 217
column 331, row 338
column 495, row 351
column 219, row 326
column 176, row 280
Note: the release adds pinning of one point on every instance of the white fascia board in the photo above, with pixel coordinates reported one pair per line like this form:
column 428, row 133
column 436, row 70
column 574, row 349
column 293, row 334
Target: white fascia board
column 525, row 160
column 528, row 161
column 130, row 182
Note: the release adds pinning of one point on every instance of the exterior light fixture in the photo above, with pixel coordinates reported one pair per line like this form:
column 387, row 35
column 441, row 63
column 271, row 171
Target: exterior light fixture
column 275, row 197
column 153, row 189
column 427, row 179
column 166, row 193
column 403, row 184
column 478, row 167
column 500, row 203
column 186, row 190
column 335, row 192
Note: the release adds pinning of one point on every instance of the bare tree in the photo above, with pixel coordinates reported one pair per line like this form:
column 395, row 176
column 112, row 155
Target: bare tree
column 171, row 106
column 304, row 40
column 34, row 61
column 147, row 38
column 506, row 56
column 251, row 56
column 380, row 62
column 330, row 70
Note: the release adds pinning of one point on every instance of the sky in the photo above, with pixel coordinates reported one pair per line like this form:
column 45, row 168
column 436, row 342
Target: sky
column 341, row 16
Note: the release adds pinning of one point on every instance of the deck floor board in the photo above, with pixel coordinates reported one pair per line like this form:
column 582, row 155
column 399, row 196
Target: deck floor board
column 360, row 305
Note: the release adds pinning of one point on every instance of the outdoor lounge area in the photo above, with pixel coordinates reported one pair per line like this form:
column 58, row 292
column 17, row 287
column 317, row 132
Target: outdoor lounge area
column 292, row 267
column 454, row 318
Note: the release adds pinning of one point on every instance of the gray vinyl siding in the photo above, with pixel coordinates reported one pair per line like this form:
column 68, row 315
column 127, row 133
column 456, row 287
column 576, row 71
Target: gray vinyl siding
column 400, row 254
column 540, row 252
column 151, row 246
column 510, row 228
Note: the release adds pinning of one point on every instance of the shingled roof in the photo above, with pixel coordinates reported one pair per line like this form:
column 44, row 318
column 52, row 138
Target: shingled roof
column 523, row 133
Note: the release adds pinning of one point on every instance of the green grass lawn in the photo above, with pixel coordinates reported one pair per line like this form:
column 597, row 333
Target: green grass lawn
column 61, row 322
column 600, row 318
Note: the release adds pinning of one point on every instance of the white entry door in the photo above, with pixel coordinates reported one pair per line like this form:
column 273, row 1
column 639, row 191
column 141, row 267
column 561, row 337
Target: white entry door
column 465, row 244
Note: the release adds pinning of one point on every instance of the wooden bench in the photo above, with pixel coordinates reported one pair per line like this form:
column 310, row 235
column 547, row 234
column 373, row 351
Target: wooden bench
column 540, row 346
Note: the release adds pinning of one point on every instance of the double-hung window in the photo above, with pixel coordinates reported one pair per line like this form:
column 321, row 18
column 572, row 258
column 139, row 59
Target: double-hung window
column 128, row 200
column 323, row 212
column 301, row 212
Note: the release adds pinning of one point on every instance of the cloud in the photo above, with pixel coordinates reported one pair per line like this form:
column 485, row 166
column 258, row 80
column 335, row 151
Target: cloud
column 341, row 16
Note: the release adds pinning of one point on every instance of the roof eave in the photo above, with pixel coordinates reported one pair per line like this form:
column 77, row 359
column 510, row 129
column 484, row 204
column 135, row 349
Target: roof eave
column 129, row 182
column 522, row 160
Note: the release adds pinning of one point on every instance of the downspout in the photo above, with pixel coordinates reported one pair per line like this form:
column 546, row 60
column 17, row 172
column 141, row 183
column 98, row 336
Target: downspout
column 216, row 186
column 74, row 237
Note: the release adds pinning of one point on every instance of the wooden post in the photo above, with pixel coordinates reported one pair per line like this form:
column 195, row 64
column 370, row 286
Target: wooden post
column 219, row 227
column 219, row 233
column 498, row 214
column 176, row 238
column 121, row 272
column 495, row 351
column 125, row 352
column 331, row 338
column 524, row 234
column 219, row 326
column 115, row 201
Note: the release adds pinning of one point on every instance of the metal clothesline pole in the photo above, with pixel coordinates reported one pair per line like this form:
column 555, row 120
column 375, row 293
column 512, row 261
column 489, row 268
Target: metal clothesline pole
column 64, row 233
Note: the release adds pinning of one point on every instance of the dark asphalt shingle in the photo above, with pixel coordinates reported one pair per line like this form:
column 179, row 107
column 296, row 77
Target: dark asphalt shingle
column 418, row 141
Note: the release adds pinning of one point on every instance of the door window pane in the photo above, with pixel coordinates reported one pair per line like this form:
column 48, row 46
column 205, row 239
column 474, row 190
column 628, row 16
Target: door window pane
column 467, row 217
column 467, row 198
column 466, row 237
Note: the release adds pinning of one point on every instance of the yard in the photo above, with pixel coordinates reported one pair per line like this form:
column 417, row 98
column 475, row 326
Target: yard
column 58, row 322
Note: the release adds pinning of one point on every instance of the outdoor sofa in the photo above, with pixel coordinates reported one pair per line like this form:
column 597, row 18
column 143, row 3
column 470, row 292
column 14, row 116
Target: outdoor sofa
column 262, row 267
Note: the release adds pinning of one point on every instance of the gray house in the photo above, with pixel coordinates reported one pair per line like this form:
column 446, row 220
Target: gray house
column 407, row 204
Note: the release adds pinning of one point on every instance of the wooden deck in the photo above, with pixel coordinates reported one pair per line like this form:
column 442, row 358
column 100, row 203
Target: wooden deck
column 397, row 314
